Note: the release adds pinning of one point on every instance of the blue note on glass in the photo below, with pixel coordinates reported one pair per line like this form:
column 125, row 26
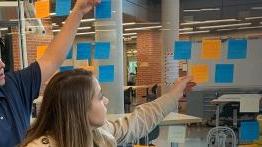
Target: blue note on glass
column 224, row 73
column 103, row 10
column 249, row 131
column 106, row 73
column 102, row 50
column 84, row 51
column 70, row 54
column 66, row 68
column 63, row 7
column 182, row 50
column 237, row 49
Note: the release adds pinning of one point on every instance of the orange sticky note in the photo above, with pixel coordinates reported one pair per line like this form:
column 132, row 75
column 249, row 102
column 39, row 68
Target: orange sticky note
column 40, row 51
column 200, row 73
column 211, row 49
column 42, row 8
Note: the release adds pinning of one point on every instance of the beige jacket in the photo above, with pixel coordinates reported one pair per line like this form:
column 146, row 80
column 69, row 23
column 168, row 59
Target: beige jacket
column 127, row 129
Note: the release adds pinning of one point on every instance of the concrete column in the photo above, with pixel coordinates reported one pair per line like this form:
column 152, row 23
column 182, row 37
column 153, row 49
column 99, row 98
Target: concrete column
column 170, row 30
column 112, row 30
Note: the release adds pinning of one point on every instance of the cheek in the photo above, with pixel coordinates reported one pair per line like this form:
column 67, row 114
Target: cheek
column 97, row 110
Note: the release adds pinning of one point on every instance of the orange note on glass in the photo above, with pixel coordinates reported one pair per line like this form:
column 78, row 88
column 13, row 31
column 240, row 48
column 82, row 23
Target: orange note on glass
column 42, row 8
column 200, row 73
column 211, row 49
column 40, row 51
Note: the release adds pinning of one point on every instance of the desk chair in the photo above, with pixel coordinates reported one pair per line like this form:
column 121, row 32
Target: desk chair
column 127, row 99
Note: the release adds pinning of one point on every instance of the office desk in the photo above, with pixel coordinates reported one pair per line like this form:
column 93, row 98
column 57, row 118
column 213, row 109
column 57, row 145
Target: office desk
column 170, row 121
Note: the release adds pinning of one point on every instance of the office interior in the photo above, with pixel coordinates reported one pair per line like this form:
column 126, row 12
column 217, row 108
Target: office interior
column 150, row 44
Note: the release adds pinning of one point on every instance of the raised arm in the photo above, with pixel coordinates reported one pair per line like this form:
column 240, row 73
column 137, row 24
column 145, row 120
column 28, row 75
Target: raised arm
column 59, row 47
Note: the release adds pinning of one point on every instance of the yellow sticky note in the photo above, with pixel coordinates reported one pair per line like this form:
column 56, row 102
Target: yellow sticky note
column 211, row 49
column 200, row 73
column 40, row 51
column 42, row 8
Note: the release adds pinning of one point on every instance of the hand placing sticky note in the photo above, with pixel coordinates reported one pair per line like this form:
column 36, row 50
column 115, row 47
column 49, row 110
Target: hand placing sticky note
column 42, row 8
column 237, row 49
column 102, row 50
column 224, row 73
column 200, row 73
column 40, row 51
column 84, row 51
column 182, row 50
column 103, row 10
column 63, row 7
column 211, row 49
column 106, row 73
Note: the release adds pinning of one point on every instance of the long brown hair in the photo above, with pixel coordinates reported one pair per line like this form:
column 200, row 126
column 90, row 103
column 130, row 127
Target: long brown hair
column 63, row 113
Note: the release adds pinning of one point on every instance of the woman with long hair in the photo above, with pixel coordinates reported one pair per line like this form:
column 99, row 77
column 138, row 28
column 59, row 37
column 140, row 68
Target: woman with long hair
column 73, row 114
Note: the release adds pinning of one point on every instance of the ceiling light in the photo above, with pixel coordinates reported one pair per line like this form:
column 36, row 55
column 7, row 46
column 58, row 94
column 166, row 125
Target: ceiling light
column 129, row 34
column 252, row 18
column 3, row 29
column 194, row 32
column 55, row 25
column 52, row 14
column 209, row 21
column 83, row 28
column 225, row 26
column 86, row 33
column 143, row 28
column 199, row 10
column 56, row 30
column 129, row 23
column 220, row 30
column 88, row 20
column 256, row 8
column 255, row 27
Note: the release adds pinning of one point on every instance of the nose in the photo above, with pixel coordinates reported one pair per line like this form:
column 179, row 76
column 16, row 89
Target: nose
column 2, row 64
column 106, row 101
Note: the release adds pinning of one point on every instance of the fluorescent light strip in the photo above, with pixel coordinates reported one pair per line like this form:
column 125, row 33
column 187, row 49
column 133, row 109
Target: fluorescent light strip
column 56, row 30
column 52, row 14
column 83, row 28
column 255, row 27
column 194, row 32
column 129, row 23
column 252, row 18
column 129, row 34
column 225, row 26
column 256, row 8
column 220, row 30
column 199, row 10
column 143, row 28
column 3, row 29
column 209, row 21
column 88, row 20
column 86, row 33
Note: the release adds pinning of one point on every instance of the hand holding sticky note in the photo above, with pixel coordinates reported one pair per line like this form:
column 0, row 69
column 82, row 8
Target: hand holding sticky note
column 200, row 73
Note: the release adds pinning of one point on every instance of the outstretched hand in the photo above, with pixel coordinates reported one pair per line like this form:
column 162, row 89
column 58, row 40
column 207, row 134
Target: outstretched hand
column 183, row 85
column 84, row 6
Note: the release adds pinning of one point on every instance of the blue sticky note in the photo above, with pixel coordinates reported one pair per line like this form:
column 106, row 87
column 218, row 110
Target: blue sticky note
column 103, row 9
column 182, row 50
column 63, row 7
column 224, row 73
column 249, row 131
column 84, row 51
column 102, row 50
column 66, row 68
column 237, row 49
column 70, row 54
column 106, row 73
